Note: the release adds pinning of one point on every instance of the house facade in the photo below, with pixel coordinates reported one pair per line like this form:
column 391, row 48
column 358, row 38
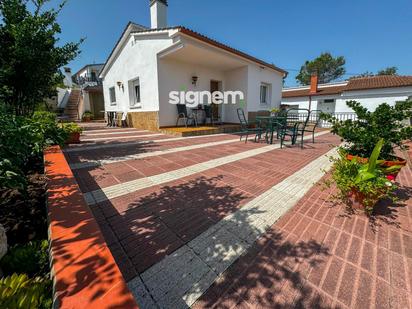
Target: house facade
column 146, row 65
column 332, row 97
column 91, row 98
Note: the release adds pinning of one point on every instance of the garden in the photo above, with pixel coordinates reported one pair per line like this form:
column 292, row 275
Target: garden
column 30, row 62
column 365, row 171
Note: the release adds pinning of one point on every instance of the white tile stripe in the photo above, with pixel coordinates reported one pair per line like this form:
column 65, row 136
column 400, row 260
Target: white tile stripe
column 87, row 148
column 114, row 133
column 182, row 277
column 124, row 188
column 112, row 130
column 92, row 163
column 117, row 137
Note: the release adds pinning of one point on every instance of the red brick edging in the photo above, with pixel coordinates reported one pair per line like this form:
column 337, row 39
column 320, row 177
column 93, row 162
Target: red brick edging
column 85, row 273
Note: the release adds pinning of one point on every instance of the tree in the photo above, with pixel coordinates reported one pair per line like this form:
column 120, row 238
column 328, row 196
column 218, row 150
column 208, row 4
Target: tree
column 388, row 71
column 29, row 56
column 325, row 66
column 366, row 74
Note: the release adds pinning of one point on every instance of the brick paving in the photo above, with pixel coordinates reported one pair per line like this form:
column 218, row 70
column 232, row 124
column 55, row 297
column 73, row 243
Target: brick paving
column 320, row 255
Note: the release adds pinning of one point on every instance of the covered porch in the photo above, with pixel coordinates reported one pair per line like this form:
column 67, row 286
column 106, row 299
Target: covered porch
column 197, row 67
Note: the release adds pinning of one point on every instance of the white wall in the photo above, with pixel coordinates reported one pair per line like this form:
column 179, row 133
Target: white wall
column 236, row 79
column 302, row 102
column 370, row 98
column 136, row 60
column 62, row 96
column 257, row 76
column 176, row 75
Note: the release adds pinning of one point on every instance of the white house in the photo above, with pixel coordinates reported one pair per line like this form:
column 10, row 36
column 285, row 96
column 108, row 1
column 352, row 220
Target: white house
column 147, row 64
column 91, row 96
column 332, row 97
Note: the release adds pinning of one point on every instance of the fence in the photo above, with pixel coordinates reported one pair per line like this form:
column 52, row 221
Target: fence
column 341, row 116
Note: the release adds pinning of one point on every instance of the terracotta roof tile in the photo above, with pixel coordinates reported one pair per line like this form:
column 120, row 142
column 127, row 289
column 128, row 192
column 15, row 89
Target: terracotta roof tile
column 305, row 92
column 383, row 81
column 363, row 83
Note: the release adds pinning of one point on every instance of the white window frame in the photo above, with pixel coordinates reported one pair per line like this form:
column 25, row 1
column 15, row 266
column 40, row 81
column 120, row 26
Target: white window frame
column 135, row 99
column 112, row 95
column 267, row 94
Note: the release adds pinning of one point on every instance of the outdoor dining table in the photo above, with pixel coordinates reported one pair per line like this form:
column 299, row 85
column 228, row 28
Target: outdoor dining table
column 272, row 123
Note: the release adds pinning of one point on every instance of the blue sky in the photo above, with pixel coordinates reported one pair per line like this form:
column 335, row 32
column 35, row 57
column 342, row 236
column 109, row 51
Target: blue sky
column 370, row 34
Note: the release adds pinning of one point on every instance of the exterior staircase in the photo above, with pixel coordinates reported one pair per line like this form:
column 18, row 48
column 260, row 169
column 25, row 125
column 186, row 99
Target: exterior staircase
column 72, row 107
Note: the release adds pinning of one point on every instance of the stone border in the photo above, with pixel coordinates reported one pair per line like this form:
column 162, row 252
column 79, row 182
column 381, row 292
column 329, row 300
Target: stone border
column 84, row 271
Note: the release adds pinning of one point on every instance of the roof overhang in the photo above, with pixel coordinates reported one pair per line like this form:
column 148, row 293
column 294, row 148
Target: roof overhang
column 189, row 37
column 188, row 50
column 234, row 52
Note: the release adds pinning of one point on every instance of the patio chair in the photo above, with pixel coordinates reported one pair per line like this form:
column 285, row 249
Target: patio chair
column 209, row 115
column 124, row 120
column 294, row 126
column 182, row 114
column 245, row 126
column 313, row 123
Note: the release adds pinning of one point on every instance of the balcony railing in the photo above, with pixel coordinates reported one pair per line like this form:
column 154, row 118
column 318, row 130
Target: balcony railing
column 88, row 80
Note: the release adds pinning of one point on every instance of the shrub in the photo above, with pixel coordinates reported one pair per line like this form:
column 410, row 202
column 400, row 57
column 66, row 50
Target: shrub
column 19, row 291
column 22, row 140
column 72, row 127
column 31, row 259
column 385, row 122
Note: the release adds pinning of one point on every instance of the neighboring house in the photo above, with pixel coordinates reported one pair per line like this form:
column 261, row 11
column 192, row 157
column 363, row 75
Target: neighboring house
column 147, row 64
column 332, row 97
column 83, row 92
column 87, row 78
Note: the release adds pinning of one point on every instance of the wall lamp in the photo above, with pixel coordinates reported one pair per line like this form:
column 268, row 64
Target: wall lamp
column 120, row 85
column 194, row 80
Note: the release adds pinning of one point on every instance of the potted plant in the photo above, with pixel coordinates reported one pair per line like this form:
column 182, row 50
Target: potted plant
column 87, row 116
column 361, row 135
column 274, row 111
column 73, row 131
column 362, row 185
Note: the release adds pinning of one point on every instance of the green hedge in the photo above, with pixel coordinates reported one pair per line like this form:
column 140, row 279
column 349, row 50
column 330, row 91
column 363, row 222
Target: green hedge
column 22, row 140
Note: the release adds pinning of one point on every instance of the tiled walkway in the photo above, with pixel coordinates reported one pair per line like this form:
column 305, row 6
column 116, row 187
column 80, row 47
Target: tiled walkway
column 320, row 255
column 157, row 197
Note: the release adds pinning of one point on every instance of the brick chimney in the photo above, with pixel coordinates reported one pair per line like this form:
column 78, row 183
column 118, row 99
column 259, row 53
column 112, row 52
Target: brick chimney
column 313, row 84
column 158, row 14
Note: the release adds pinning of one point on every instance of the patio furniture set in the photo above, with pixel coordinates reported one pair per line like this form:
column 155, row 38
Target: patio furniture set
column 195, row 114
column 112, row 118
column 292, row 123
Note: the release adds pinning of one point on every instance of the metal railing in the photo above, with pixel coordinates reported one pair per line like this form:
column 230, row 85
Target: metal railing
column 88, row 80
column 314, row 117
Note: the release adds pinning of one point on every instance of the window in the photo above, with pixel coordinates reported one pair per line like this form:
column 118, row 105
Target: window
column 112, row 93
column 134, row 90
column 264, row 94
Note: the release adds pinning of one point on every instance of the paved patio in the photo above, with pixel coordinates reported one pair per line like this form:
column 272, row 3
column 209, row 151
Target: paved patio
column 211, row 221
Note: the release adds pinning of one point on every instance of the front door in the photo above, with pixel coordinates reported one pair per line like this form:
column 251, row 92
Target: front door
column 214, row 86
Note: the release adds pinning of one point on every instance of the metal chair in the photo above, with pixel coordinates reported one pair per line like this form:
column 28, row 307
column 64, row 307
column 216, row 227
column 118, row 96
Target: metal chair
column 209, row 115
column 294, row 126
column 313, row 123
column 182, row 114
column 245, row 128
